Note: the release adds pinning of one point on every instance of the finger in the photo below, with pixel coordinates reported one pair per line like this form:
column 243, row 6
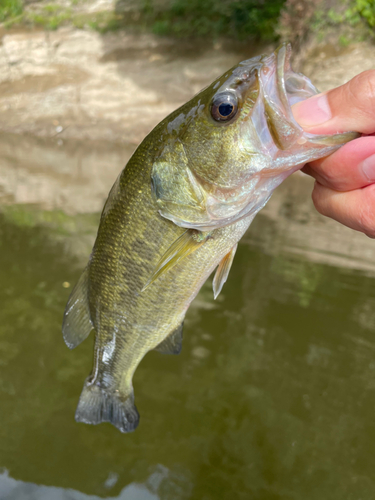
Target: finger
column 355, row 209
column 351, row 167
column 345, row 108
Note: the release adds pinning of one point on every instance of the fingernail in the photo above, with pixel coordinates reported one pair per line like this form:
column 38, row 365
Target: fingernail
column 312, row 112
column 368, row 168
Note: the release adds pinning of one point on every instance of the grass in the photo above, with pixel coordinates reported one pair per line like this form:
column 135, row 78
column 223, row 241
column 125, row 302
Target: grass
column 355, row 18
column 364, row 9
column 10, row 9
column 239, row 19
column 236, row 19
column 51, row 16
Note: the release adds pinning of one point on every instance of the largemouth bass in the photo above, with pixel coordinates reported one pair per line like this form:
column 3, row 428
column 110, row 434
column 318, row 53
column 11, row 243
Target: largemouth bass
column 175, row 213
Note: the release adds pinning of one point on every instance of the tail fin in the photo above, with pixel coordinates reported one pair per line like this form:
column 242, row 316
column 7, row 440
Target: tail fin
column 96, row 406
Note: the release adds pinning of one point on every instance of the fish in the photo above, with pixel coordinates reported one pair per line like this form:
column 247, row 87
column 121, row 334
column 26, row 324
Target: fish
column 176, row 213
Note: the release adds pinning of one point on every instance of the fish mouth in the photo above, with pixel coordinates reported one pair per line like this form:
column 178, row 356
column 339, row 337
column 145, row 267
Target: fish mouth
column 281, row 89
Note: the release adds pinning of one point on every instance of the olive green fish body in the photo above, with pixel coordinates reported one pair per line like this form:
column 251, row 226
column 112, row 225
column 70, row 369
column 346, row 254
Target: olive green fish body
column 176, row 213
column 132, row 238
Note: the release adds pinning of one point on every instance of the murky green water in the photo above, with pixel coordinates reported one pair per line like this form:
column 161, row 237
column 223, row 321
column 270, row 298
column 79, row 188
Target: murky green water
column 272, row 397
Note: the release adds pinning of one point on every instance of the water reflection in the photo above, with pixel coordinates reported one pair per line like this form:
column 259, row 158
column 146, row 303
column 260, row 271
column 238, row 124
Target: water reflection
column 271, row 398
column 289, row 223
column 75, row 177
column 161, row 481
column 10, row 489
column 56, row 173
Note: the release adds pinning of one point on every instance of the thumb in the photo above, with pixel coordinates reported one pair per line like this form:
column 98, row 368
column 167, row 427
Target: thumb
column 345, row 108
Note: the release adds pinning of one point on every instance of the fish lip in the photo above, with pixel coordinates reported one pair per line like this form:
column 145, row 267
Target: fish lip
column 284, row 87
column 283, row 54
column 292, row 86
column 295, row 87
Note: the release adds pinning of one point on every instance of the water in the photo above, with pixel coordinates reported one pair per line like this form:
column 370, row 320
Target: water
column 272, row 397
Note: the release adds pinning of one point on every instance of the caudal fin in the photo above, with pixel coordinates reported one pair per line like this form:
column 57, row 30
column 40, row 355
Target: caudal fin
column 96, row 406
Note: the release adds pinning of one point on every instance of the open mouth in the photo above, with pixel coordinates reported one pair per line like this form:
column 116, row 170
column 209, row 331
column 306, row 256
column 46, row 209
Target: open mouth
column 281, row 89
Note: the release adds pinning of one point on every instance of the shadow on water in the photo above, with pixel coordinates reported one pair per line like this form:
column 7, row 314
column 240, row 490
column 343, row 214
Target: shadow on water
column 271, row 398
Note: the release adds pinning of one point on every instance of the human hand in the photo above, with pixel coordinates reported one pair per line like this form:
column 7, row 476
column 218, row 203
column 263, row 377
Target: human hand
column 345, row 181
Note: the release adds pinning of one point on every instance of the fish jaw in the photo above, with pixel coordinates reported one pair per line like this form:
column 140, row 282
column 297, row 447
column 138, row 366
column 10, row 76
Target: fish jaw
column 282, row 138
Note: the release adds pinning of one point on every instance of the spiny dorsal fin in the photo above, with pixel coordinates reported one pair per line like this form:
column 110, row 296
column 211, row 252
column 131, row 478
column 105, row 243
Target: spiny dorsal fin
column 222, row 271
column 186, row 244
column 173, row 343
column 77, row 323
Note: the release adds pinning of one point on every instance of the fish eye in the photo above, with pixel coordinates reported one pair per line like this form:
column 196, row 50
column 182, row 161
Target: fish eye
column 224, row 106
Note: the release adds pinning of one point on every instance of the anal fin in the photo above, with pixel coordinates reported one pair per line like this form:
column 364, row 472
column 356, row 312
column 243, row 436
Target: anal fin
column 186, row 244
column 77, row 323
column 173, row 343
column 222, row 271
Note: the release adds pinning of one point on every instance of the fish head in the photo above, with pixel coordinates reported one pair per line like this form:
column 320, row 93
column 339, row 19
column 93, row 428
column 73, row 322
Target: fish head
column 226, row 150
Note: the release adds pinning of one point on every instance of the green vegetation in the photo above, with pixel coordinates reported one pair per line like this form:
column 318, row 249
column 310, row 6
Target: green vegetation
column 364, row 9
column 237, row 19
column 10, row 9
column 51, row 16
column 351, row 20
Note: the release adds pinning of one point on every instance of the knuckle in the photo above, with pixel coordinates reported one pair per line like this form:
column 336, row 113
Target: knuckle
column 330, row 177
column 326, row 173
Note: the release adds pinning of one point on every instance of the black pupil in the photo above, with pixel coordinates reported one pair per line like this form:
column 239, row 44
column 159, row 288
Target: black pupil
column 225, row 109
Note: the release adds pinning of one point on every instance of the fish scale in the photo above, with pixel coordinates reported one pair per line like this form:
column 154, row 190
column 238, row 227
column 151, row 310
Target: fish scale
column 177, row 211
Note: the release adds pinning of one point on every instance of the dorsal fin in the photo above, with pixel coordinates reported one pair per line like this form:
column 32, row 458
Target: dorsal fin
column 173, row 343
column 222, row 271
column 77, row 323
column 186, row 244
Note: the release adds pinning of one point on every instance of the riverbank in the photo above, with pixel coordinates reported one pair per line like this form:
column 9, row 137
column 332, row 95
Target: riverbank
column 74, row 104
column 83, row 85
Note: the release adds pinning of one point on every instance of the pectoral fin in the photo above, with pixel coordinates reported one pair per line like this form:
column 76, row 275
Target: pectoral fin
column 186, row 244
column 222, row 271
column 173, row 343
